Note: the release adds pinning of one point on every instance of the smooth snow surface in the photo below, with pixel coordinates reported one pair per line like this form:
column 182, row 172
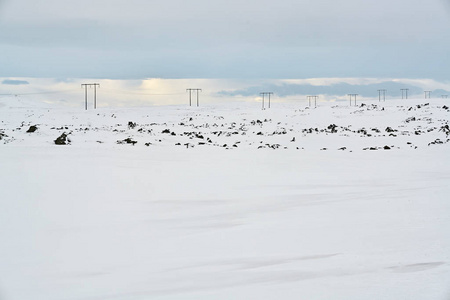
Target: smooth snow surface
column 251, row 204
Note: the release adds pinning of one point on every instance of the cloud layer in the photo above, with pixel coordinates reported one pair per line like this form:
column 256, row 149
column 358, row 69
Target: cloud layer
column 138, row 39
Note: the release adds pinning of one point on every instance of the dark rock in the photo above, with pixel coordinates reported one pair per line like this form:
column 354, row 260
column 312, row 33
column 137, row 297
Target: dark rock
column 62, row 139
column 387, row 148
column 362, row 131
column 127, row 141
column 332, row 128
column 445, row 129
column 131, row 125
column 437, row 141
column 32, row 129
column 166, row 131
column 389, row 129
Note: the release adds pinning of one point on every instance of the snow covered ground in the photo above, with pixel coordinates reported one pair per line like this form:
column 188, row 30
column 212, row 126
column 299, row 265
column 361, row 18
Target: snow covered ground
column 225, row 201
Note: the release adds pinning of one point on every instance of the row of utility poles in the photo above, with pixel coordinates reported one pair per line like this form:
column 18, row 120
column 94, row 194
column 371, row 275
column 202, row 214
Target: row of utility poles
column 353, row 96
column 404, row 95
column 381, row 95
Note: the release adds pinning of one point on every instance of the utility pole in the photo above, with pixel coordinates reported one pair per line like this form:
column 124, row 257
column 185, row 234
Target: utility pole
column 352, row 95
column 406, row 90
column 263, row 94
column 379, row 95
column 86, row 85
column 190, row 98
column 315, row 100
column 427, row 93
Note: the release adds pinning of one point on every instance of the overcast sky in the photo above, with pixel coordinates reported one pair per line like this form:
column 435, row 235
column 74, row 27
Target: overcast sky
column 133, row 39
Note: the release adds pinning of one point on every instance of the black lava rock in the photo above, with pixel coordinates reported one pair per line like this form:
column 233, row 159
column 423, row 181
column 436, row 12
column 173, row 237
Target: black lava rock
column 32, row 129
column 62, row 139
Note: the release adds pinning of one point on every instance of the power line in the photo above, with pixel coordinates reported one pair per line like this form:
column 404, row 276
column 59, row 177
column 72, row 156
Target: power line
column 38, row 93
column 139, row 94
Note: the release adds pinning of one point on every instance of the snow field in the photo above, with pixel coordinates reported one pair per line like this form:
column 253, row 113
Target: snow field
column 104, row 220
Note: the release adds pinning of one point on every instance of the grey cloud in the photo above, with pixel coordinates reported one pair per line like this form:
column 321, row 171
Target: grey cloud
column 14, row 82
column 224, row 39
